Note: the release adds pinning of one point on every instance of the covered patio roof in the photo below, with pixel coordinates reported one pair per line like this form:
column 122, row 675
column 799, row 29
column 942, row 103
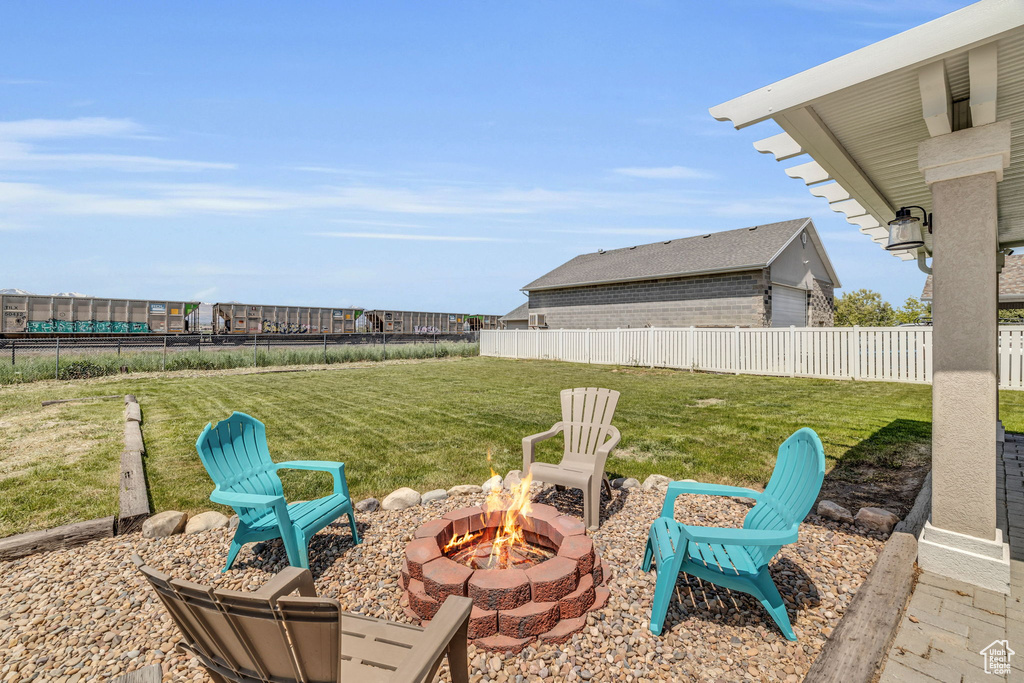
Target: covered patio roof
column 853, row 125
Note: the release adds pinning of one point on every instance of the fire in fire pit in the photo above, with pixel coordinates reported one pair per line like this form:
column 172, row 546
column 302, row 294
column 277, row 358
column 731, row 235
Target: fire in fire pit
column 530, row 570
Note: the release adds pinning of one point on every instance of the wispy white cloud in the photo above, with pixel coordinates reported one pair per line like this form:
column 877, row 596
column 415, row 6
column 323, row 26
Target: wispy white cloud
column 653, row 232
column 414, row 238
column 19, row 147
column 91, row 126
column 663, row 172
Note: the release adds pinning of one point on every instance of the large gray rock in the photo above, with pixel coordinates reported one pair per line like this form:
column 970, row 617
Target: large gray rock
column 656, row 480
column 617, row 482
column 876, row 519
column 834, row 511
column 205, row 521
column 368, row 505
column 431, row 496
column 401, row 499
column 464, row 490
column 492, row 484
column 513, row 479
column 163, row 524
column 631, row 483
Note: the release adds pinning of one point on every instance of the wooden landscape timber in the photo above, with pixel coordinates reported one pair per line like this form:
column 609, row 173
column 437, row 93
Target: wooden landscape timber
column 67, row 536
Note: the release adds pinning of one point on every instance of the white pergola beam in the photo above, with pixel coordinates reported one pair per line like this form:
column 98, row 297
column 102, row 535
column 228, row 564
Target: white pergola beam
column 814, row 136
column 781, row 145
column 983, row 69
column 811, row 172
column 936, row 99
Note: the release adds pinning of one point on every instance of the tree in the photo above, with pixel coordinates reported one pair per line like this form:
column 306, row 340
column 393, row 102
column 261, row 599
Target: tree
column 913, row 310
column 864, row 307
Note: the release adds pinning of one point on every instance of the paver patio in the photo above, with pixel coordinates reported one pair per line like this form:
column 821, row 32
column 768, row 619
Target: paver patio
column 949, row 622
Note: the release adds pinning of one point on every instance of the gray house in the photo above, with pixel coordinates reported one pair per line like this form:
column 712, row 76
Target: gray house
column 516, row 319
column 773, row 275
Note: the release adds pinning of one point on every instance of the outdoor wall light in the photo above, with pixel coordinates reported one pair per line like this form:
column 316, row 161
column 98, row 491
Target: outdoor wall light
column 905, row 229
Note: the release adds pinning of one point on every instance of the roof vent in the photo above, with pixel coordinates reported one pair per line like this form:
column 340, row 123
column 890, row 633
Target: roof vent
column 707, row 235
column 633, row 247
column 753, row 228
column 600, row 251
column 667, row 242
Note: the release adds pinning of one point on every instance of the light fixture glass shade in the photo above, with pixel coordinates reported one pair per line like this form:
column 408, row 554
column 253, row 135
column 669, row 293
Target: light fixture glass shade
column 904, row 233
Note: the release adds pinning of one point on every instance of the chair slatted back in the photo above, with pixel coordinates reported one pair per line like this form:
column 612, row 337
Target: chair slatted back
column 586, row 415
column 251, row 637
column 235, row 454
column 791, row 491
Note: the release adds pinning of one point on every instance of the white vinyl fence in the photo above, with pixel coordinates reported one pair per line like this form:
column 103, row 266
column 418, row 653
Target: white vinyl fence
column 889, row 354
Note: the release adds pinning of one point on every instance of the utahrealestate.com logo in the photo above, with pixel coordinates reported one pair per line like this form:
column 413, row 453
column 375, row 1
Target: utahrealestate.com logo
column 997, row 657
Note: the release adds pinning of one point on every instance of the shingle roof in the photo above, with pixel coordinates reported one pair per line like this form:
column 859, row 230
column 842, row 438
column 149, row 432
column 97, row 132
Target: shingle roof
column 521, row 312
column 1011, row 281
column 742, row 249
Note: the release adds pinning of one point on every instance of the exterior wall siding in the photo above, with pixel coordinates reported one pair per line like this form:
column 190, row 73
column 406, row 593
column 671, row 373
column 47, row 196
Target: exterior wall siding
column 722, row 300
column 823, row 305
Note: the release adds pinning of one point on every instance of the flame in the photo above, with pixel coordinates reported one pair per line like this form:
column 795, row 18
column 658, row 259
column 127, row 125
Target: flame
column 511, row 504
column 509, row 533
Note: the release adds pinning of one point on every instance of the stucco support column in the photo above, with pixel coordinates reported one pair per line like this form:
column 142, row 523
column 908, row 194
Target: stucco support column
column 961, row 539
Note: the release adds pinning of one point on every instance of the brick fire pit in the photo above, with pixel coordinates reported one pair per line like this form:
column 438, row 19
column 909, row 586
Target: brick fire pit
column 546, row 595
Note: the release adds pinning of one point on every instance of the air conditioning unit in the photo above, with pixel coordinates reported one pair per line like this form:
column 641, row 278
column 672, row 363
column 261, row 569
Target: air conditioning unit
column 537, row 320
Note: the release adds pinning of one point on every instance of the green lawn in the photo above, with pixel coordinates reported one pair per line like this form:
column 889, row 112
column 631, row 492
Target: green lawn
column 430, row 425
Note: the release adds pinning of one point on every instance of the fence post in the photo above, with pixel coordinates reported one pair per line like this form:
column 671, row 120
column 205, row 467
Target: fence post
column 384, row 343
column 13, row 342
column 163, row 360
column 435, row 344
column 561, row 344
column 589, row 347
column 56, row 370
column 791, row 351
column 255, row 363
column 325, row 349
column 515, row 344
column 736, row 348
column 650, row 346
column 691, row 348
column 118, row 347
column 855, row 353
column 618, row 346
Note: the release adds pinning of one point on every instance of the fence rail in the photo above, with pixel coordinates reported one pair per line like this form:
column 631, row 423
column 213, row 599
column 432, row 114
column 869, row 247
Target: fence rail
column 888, row 354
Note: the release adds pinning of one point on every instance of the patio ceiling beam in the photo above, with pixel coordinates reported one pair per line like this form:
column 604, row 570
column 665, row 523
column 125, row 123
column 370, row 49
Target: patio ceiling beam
column 967, row 28
column 936, row 99
column 781, row 145
column 983, row 71
column 810, row 132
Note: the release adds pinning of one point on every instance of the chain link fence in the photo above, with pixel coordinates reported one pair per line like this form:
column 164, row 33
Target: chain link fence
column 67, row 358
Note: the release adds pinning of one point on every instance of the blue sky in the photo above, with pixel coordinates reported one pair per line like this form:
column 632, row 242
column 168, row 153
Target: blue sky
column 417, row 155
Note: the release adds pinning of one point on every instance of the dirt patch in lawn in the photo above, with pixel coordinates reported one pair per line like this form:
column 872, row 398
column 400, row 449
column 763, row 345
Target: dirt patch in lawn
column 867, row 484
column 57, row 434
column 705, row 402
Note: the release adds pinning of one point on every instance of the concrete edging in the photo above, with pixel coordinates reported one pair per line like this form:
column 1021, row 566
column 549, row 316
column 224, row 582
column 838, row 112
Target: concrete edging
column 858, row 647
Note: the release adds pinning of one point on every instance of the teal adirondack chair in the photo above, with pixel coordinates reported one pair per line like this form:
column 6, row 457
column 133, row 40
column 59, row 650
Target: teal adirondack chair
column 236, row 457
column 738, row 559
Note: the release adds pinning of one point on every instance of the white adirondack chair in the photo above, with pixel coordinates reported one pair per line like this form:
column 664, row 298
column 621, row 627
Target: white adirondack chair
column 589, row 438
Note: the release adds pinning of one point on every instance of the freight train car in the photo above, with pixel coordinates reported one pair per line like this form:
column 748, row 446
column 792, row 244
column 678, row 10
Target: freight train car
column 417, row 322
column 233, row 318
column 33, row 314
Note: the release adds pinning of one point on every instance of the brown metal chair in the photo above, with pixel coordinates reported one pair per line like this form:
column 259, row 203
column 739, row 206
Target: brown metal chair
column 272, row 637
column 589, row 438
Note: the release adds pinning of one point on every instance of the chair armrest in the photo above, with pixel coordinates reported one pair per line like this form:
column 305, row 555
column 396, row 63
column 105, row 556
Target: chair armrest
column 245, row 500
column 732, row 536
column 606, row 448
column 286, row 581
column 530, row 443
column 676, row 488
column 443, row 629
column 337, row 470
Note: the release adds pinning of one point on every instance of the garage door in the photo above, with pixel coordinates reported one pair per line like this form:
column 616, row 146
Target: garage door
column 789, row 306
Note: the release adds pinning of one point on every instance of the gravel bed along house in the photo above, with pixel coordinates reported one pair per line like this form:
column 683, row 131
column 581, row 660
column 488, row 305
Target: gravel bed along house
column 85, row 614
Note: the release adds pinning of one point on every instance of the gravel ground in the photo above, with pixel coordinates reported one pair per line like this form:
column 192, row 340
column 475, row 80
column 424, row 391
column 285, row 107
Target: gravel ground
column 85, row 614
